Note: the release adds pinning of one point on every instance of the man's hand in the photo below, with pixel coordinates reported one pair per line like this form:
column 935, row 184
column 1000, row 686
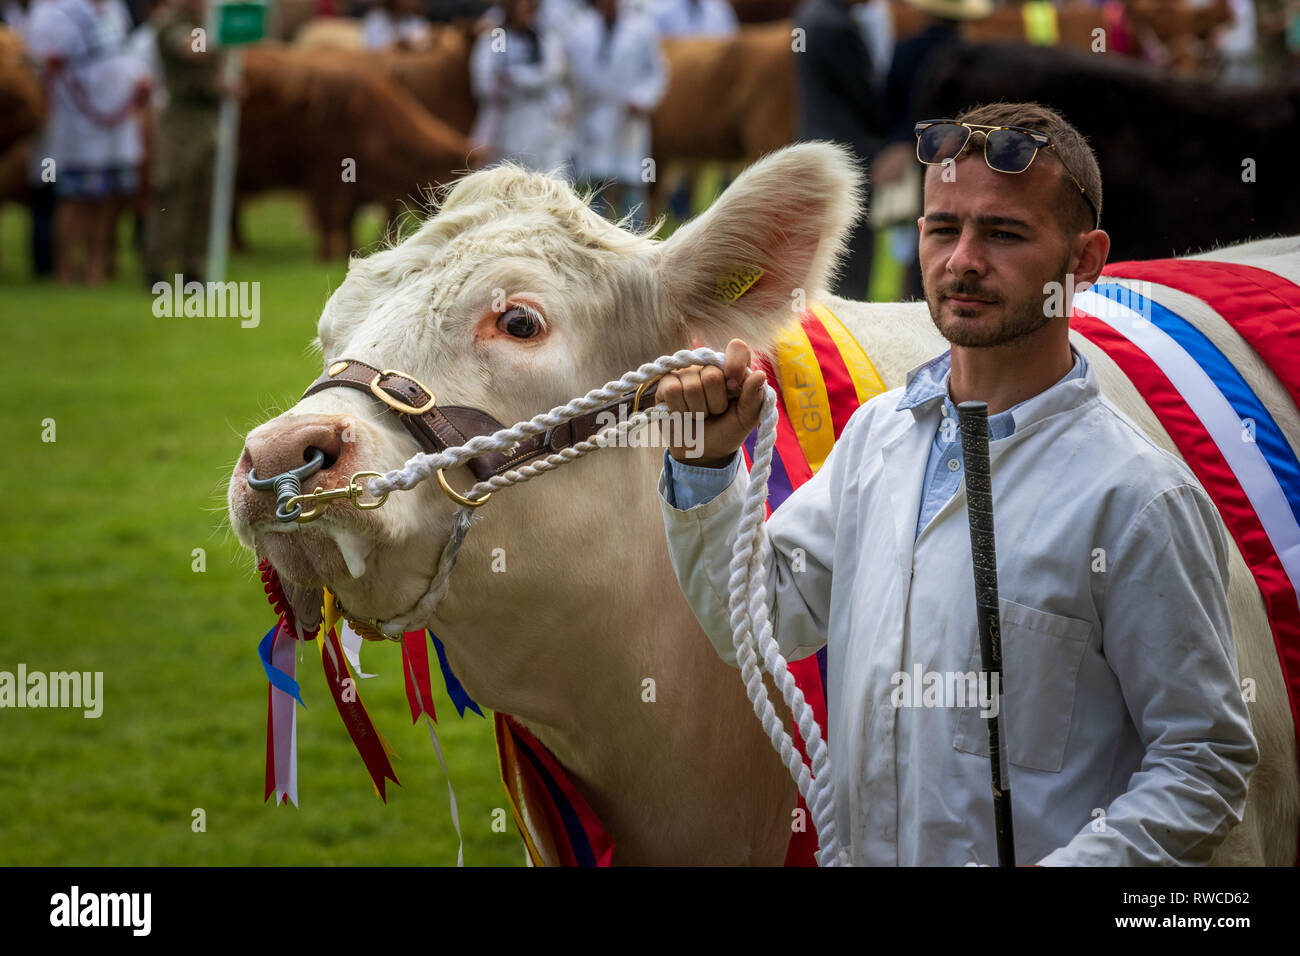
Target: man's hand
column 731, row 398
column 142, row 91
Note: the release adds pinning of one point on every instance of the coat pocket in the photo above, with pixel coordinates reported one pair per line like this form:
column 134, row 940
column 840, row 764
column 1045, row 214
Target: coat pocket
column 1041, row 656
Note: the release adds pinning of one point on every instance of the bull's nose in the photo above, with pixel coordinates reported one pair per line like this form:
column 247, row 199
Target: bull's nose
column 282, row 449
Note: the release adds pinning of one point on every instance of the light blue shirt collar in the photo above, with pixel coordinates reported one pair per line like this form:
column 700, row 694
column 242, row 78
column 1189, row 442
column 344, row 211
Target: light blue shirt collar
column 929, row 383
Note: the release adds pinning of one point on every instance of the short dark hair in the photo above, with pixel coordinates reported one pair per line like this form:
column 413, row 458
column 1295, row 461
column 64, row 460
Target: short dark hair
column 1070, row 148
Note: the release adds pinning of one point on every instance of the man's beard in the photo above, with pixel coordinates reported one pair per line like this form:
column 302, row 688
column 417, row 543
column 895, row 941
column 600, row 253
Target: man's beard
column 1019, row 320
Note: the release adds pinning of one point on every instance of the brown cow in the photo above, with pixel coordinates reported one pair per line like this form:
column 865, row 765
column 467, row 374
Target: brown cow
column 22, row 101
column 1177, row 34
column 326, row 33
column 306, row 114
column 1186, row 165
column 730, row 98
column 1162, row 30
column 437, row 77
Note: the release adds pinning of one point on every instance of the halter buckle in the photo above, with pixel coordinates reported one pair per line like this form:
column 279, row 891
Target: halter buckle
column 457, row 497
column 400, row 406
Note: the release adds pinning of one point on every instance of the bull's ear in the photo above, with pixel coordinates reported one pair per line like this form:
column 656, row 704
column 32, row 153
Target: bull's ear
column 768, row 245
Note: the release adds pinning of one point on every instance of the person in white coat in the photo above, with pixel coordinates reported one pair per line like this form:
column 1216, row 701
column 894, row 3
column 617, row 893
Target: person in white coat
column 695, row 18
column 395, row 25
column 93, row 86
column 619, row 77
column 517, row 70
column 1122, row 702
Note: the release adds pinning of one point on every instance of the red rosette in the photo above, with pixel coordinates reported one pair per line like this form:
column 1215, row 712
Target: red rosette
column 275, row 595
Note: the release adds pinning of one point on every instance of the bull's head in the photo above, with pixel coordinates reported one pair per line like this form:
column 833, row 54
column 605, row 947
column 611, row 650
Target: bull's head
column 514, row 298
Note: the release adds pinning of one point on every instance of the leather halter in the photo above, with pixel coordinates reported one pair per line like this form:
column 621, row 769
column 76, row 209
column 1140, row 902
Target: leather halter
column 439, row 427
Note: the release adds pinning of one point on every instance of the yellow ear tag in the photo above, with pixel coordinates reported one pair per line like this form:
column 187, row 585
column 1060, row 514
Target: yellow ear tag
column 732, row 287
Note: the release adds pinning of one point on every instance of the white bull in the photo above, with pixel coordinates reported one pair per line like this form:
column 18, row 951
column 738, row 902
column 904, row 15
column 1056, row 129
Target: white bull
column 515, row 298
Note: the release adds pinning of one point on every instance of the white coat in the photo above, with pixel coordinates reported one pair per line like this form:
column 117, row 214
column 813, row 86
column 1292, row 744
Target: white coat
column 523, row 105
column 608, row 141
column 1128, row 738
column 381, row 29
column 695, row 18
column 94, row 84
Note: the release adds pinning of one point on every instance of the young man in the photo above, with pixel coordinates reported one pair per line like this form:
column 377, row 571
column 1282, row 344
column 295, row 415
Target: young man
column 1127, row 736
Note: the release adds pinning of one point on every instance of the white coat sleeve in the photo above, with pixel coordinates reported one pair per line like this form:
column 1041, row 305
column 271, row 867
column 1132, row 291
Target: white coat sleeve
column 579, row 51
column 725, row 23
column 51, row 33
column 483, row 67
column 1168, row 638
column 546, row 72
column 377, row 32
column 652, row 79
column 798, row 572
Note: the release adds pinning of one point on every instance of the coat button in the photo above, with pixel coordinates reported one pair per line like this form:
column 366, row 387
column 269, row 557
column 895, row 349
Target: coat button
column 953, row 464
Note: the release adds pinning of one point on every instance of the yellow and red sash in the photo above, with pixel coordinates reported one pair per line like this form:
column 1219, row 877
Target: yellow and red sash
column 822, row 375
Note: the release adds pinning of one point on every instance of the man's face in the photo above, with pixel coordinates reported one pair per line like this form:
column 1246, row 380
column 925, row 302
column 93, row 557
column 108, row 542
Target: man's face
column 989, row 243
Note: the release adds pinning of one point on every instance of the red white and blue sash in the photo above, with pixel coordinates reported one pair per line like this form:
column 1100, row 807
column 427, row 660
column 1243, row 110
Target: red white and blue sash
column 1229, row 439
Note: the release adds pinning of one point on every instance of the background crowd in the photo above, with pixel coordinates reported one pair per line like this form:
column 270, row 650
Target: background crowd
column 132, row 91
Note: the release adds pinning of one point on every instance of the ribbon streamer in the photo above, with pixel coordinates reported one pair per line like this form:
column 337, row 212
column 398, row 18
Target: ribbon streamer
column 415, row 668
column 415, row 661
column 279, row 678
column 277, row 653
column 370, row 743
column 352, row 649
column 457, row 693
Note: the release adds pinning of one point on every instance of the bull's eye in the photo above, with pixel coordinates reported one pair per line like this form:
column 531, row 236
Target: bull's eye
column 520, row 322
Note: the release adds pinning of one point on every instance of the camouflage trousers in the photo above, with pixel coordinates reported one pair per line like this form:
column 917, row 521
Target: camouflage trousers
column 180, row 208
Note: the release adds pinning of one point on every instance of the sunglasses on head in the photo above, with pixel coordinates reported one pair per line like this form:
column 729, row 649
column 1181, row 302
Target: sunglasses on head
column 1007, row 149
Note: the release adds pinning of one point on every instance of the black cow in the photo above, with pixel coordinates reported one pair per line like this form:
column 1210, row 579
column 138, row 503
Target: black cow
column 1172, row 151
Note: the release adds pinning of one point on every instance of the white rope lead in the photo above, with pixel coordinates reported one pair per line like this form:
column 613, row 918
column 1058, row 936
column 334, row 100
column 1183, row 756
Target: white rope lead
column 748, row 603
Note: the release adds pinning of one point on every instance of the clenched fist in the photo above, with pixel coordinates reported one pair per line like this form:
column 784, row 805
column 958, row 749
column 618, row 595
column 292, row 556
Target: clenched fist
column 730, row 397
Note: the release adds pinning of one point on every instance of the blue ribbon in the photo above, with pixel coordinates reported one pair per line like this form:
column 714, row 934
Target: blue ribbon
column 1245, row 403
column 278, row 678
column 454, row 690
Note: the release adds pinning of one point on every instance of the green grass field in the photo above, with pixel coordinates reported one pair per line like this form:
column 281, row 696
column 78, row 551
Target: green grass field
column 99, row 529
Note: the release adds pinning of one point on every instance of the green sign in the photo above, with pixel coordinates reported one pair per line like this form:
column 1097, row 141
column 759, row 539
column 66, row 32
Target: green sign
column 239, row 23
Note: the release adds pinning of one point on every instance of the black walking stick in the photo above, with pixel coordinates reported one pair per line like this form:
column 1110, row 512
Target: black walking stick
column 973, row 417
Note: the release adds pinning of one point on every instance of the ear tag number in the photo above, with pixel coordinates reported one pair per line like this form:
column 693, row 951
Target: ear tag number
column 732, row 287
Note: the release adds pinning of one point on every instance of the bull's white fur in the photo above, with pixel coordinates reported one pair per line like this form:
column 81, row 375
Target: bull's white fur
column 588, row 607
